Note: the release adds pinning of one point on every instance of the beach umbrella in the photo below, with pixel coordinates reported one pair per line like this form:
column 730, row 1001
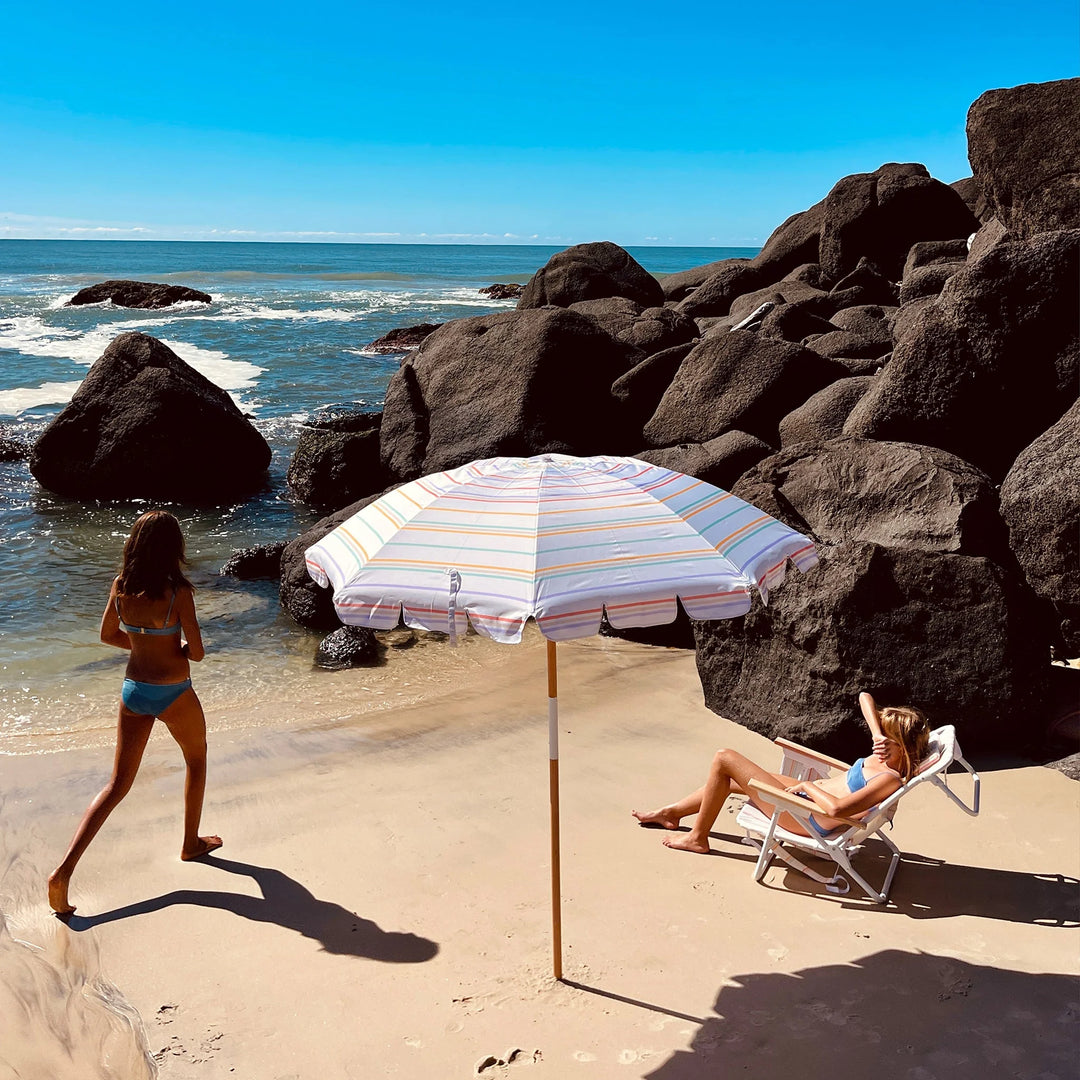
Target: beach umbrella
column 559, row 539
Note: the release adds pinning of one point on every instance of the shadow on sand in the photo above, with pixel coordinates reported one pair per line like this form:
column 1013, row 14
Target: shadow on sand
column 890, row 1015
column 288, row 904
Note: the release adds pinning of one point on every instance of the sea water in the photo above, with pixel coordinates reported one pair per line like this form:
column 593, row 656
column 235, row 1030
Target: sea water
column 286, row 336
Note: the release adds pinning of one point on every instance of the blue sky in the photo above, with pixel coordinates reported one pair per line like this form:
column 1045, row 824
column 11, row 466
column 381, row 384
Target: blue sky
column 501, row 123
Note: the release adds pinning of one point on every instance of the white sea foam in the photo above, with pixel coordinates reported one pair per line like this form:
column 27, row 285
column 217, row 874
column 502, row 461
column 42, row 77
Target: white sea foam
column 13, row 402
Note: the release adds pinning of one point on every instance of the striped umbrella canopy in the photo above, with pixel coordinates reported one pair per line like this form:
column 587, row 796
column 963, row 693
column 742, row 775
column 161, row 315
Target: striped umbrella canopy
column 559, row 539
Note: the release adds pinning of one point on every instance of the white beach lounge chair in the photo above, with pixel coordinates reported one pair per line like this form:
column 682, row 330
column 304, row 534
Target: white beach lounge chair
column 766, row 834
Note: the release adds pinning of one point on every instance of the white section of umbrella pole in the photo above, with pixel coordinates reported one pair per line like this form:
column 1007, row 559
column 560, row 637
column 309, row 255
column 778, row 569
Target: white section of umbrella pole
column 553, row 785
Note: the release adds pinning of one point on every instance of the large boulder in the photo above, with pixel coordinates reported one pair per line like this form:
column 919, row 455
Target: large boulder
column 989, row 364
column 737, row 381
column 720, row 461
column 521, row 382
column 1024, row 148
column 1040, row 502
column 144, row 424
column 336, row 460
column 639, row 391
column 682, row 283
column 138, row 294
column 946, row 632
column 879, row 215
column 651, row 330
column 822, row 416
column 591, row 272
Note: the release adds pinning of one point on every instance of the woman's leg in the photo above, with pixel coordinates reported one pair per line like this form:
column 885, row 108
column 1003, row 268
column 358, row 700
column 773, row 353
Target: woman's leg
column 132, row 732
column 187, row 725
column 730, row 771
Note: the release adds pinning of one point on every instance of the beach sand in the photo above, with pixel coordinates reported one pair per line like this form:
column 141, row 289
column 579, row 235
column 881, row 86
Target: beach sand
column 381, row 906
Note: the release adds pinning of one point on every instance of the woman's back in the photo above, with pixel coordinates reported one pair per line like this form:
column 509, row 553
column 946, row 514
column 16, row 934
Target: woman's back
column 156, row 656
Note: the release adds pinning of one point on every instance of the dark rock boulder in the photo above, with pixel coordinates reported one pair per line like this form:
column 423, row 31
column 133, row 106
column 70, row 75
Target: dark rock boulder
column 737, row 381
column 720, row 461
column 138, row 294
column 822, row 416
column 1040, row 502
column 864, row 285
column 991, row 363
column 307, row 603
column 651, row 330
column 641, row 388
column 879, row 215
column 793, row 243
column 1024, row 148
column 520, row 382
column 929, row 252
column 12, row 449
column 813, row 300
column 503, row 291
column 713, row 297
column 253, row 564
column 892, row 494
column 844, row 343
column 927, row 281
column 868, row 320
column 348, row 647
column 144, row 424
column 682, row 283
column 336, row 460
column 591, row 272
column 945, row 632
column 990, row 234
column 792, row 322
column 968, row 190
column 403, row 339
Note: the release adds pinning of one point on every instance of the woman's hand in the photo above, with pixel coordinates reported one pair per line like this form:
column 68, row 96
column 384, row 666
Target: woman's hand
column 881, row 748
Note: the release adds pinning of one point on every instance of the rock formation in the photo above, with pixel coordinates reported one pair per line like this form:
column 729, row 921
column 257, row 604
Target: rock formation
column 138, row 294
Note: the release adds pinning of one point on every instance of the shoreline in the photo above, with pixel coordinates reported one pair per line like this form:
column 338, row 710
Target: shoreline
column 381, row 905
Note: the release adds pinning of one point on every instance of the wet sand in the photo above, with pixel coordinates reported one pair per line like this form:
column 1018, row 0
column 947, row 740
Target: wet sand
column 381, row 905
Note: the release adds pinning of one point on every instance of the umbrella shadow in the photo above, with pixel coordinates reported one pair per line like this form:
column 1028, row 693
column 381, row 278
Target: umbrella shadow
column 288, row 904
column 900, row 1013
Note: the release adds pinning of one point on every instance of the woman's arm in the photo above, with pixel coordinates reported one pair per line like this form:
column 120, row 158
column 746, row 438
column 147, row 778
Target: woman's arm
column 852, row 804
column 873, row 722
column 111, row 634
column 189, row 623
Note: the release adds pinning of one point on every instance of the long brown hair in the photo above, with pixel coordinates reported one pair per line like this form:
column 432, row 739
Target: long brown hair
column 153, row 556
column 908, row 727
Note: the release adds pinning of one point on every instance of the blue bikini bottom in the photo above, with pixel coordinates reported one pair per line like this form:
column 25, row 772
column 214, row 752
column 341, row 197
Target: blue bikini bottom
column 819, row 829
column 151, row 699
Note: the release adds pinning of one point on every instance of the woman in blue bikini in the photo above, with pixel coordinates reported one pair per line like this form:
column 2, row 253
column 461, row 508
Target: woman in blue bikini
column 151, row 613
column 900, row 737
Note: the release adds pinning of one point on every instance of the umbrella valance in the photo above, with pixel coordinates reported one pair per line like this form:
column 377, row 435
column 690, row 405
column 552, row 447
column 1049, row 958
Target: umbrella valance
column 557, row 538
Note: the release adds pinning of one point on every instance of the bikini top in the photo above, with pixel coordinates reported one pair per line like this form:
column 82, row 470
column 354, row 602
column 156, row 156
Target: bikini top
column 158, row 631
column 855, row 779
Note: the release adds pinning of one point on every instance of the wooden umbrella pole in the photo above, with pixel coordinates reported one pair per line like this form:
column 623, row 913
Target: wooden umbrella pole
column 553, row 786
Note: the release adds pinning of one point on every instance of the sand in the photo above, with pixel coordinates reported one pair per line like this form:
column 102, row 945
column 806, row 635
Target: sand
column 381, row 906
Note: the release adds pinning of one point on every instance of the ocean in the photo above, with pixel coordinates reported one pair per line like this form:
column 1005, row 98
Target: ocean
column 286, row 336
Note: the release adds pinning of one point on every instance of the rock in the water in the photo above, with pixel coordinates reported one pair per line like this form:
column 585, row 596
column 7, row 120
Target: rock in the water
column 516, row 383
column 738, row 380
column 403, row 339
column 720, row 461
column 138, row 294
column 251, row 564
column 348, row 647
column 1024, row 148
column 879, row 216
column 591, row 272
column 307, row 603
column 144, row 424
column 991, row 363
column 12, row 449
column 822, row 416
column 510, row 290
column 1040, row 502
column 336, row 460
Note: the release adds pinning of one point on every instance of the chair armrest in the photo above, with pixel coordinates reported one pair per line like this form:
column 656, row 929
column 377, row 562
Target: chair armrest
column 793, row 749
column 793, row 804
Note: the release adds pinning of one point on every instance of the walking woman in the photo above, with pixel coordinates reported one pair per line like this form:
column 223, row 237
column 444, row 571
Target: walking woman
column 151, row 613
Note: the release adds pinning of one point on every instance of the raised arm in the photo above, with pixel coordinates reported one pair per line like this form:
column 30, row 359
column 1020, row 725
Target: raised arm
column 111, row 634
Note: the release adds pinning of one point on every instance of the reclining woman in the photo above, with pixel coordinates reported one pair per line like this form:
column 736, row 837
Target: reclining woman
column 900, row 736
column 163, row 637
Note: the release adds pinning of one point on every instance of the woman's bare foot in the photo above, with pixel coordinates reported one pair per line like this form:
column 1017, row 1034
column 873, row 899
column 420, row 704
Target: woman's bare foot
column 664, row 816
column 58, row 894
column 204, row 846
column 684, row 843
